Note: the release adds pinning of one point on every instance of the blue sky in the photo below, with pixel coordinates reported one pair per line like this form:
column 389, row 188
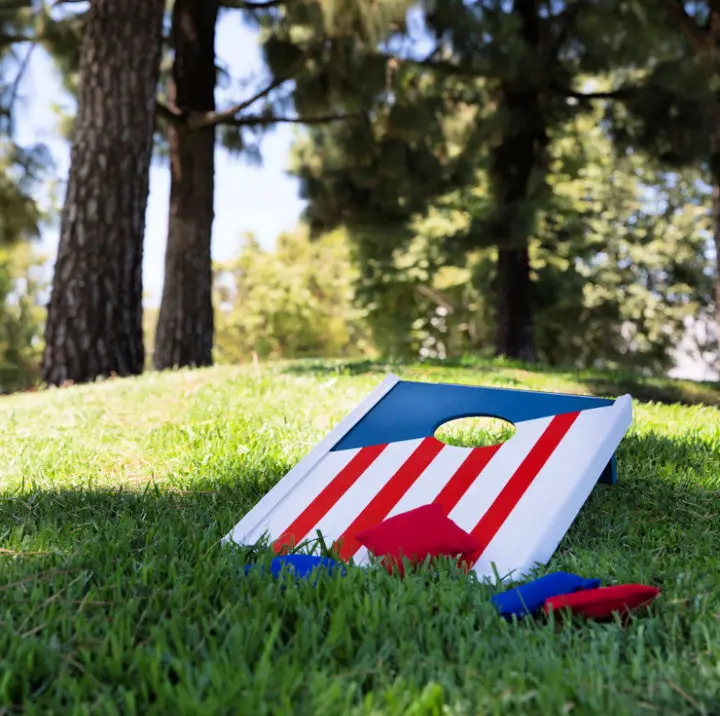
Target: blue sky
column 262, row 200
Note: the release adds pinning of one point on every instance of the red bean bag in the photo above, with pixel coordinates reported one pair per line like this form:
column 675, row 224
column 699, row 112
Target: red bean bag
column 600, row 604
column 415, row 535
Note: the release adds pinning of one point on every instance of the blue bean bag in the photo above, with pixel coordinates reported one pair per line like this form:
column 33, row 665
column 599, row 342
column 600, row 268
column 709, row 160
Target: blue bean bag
column 530, row 597
column 301, row 565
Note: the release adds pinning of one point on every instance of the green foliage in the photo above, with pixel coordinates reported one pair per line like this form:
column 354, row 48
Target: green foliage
column 21, row 318
column 619, row 258
column 61, row 36
column 295, row 301
column 668, row 114
column 21, row 168
column 21, row 171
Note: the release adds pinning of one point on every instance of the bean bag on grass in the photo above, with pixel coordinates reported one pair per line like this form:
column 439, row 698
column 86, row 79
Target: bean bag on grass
column 601, row 604
column 301, row 565
column 530, row 597
column 416, row 535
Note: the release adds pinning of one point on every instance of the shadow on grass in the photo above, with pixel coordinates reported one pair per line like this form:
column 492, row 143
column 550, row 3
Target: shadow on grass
column 606, row 385
column 659, row 501
column 661, row 514
column 656, row 391
column 108, row 592
column 363, row 367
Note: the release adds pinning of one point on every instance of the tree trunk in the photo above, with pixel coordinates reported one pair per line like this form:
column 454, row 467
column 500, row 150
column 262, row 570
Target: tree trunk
column 94, row 321
column 185, row 330
column 516, row 162
column 514, row 335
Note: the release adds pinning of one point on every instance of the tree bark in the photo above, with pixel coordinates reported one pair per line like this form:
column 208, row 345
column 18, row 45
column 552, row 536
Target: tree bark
column 515, row 163
column 514, row 334
column 185, row 330
column 94, row 321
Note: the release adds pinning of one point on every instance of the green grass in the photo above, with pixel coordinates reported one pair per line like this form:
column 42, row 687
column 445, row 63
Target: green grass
column 117, row 598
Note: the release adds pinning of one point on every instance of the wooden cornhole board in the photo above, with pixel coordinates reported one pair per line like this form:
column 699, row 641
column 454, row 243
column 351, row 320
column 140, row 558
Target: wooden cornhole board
column 517, row 498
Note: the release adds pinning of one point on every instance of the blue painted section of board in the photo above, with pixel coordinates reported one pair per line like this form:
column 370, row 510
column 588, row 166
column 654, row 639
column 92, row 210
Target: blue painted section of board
column 414, row 410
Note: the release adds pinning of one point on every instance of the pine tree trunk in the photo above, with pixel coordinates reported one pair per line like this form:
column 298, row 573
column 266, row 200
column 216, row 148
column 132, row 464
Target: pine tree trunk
column 514, row 334
column 94, row 321
column 516, row 163
column 185, row 330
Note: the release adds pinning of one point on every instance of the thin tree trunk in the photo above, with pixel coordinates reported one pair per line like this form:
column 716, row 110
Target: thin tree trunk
column 515, row 164
column 185, row 330
column 94, row 321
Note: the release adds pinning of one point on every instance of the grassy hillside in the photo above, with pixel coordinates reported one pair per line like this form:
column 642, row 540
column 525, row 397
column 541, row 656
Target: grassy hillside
column 117, row 598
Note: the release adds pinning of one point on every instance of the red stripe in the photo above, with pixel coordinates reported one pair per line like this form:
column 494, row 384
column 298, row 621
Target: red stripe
column 464, row 476
column 518, row 484
column 390, row 494
column 327, row 499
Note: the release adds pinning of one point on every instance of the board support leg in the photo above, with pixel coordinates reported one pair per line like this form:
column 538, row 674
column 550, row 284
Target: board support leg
column 609, row 474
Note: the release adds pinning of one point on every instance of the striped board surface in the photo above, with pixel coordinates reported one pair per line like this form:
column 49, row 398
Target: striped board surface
column 517, row 498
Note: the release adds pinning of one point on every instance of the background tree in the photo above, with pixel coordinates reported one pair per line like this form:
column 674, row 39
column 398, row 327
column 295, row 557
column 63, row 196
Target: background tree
column 94, row 322
column 525, row 55
column 22, row 171
column 671, row 107
column 184, row 334
column 21, row 317
column 295, row 301
column 184, row 331
column 619, row 257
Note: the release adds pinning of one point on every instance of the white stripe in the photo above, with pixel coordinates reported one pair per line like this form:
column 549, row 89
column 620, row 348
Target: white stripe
column 261, row 513
column 359, row 495
column 433, row 479
column 294, row 503
column 543, row 515
column 502, row 466
column 427, row 487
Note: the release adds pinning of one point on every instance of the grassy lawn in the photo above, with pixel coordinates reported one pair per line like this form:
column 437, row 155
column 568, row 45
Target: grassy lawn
column 117, row 598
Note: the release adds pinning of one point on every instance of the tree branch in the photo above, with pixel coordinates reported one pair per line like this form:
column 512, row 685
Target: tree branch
column 7, row 38
column 244, row 5
column 200, row 120
column 443, row 66
column 622, row 93
column 22, row 70
column 263, row 120
column 169, row 114
column 210, row 119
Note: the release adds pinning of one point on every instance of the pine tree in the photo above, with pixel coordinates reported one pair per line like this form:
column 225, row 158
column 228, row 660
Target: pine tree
column 94, row 322
column 514, row 63
column 184, row 333
column 672, row 109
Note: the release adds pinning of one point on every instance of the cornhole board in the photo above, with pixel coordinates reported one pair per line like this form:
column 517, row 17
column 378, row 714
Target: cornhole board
column 517, row 498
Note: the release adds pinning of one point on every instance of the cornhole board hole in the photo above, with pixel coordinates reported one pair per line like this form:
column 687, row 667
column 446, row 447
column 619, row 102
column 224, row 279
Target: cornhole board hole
column 517, row 498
